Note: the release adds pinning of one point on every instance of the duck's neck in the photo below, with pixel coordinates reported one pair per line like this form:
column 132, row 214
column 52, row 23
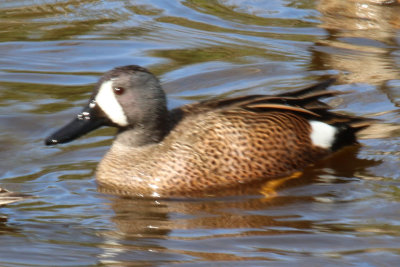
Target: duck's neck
column 145, row 133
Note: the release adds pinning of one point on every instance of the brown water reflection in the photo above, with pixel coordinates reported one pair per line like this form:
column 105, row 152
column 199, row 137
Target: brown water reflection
column 341, row 211
column 362, row 37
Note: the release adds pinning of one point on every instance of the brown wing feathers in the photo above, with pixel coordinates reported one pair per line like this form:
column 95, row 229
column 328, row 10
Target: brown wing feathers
column 305, row 101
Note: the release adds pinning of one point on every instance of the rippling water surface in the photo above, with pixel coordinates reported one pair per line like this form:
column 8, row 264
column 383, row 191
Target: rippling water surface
column 343, row 211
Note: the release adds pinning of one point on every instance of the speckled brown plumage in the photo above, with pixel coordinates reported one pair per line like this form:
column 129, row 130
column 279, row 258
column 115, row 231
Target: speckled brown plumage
column 211, row 150
column 212, row 144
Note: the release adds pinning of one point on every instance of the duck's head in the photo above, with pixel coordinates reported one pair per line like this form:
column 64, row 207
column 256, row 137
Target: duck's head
column 126, row 97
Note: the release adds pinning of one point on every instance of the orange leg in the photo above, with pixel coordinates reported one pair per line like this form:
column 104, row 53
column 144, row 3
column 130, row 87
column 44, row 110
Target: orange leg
column 269, row 189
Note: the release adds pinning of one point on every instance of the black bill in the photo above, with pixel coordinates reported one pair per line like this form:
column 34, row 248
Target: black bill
column 88, row 120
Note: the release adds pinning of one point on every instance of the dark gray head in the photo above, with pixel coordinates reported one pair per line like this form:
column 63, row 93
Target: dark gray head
column 130, row 96
column 126, row 97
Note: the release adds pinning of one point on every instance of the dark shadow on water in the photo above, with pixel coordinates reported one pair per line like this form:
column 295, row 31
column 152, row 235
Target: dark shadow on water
column 5, row 228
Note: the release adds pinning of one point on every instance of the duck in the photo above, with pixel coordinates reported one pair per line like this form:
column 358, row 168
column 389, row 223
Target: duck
column 207, row 145
column 8, row 197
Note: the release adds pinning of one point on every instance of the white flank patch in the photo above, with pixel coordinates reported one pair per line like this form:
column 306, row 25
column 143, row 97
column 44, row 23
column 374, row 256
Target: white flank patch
column 322, row 134
column 107, row 101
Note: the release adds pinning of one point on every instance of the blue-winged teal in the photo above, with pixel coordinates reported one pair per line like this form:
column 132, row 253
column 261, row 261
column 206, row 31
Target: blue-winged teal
column 207, row 145
column 7, row 197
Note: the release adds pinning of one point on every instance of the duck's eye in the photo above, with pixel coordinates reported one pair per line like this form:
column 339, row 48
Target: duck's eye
column 119, row 90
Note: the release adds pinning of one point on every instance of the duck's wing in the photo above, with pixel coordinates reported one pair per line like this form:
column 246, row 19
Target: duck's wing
column 301, row 98
column 306, row 101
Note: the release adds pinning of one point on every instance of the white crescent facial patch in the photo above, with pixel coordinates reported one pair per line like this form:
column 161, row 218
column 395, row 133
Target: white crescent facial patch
column 107, row 101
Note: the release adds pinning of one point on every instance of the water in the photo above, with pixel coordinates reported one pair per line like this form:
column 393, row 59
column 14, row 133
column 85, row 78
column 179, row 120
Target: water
column 344, row 211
